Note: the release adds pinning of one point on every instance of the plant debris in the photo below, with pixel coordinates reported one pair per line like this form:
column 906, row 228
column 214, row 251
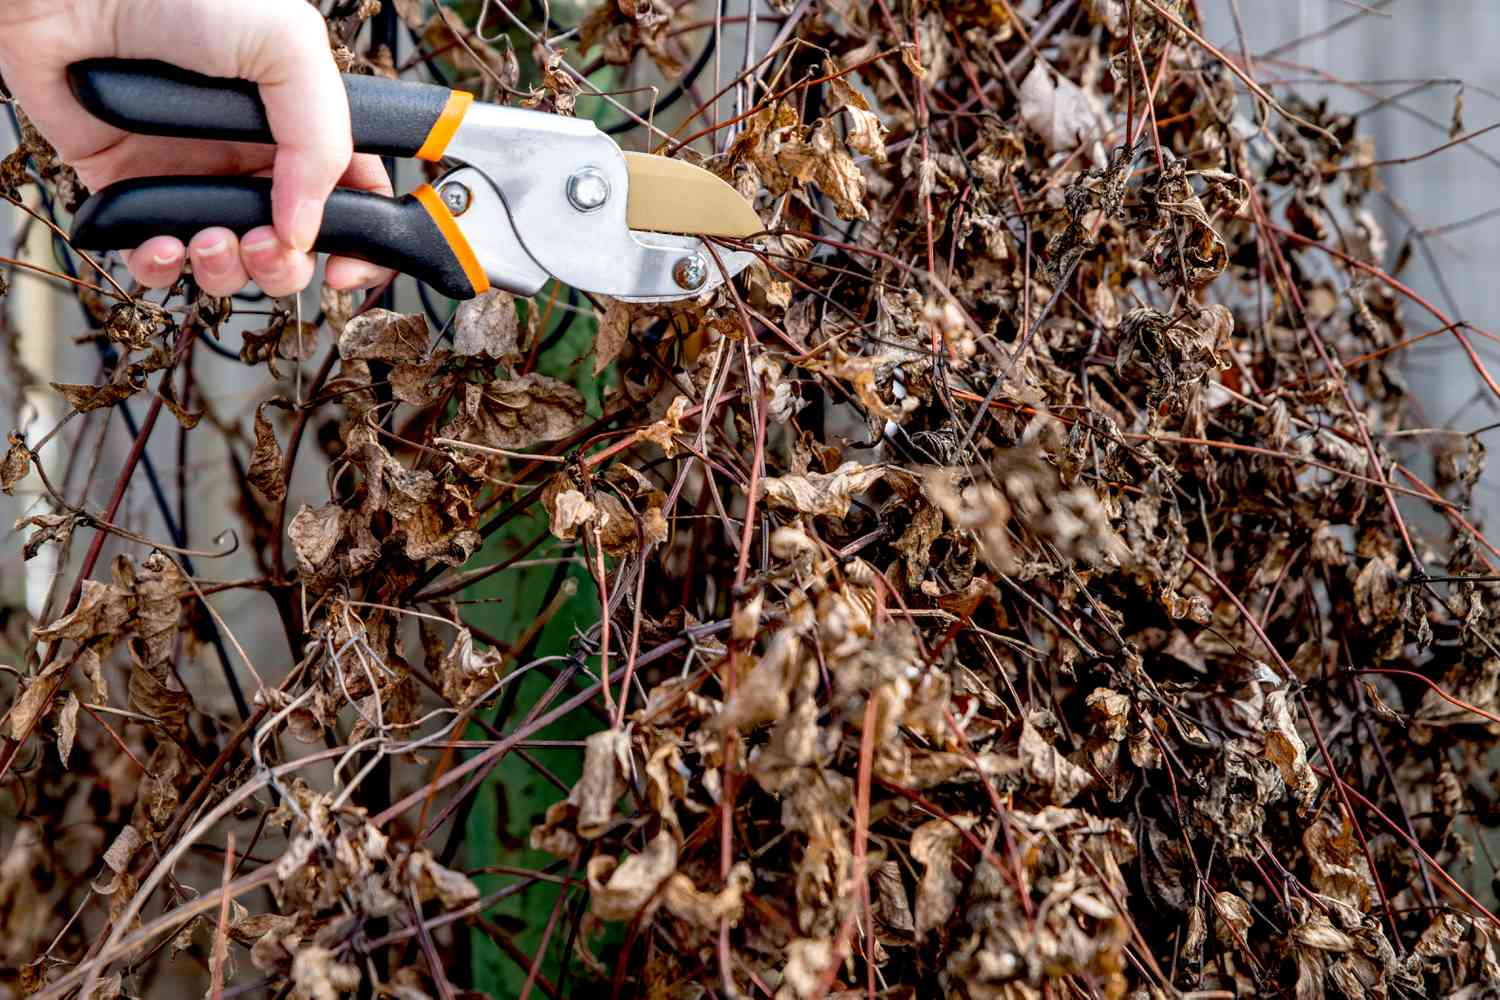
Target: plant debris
column 1021, row 583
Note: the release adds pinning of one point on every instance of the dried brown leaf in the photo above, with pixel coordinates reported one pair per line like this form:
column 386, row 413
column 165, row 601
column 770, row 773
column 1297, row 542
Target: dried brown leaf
column 606, row 761
column 118, row 857
column 433, row 881
column 626, row 890
column 382, row 335
column 517, row 413
column 614, row 334
column 16, row 464
column 1285, row 749
column 932, row 846
column 102, row 609
column 708, row 909
column 318, row 975
column 663, row 433
column 314, row 533
column 1048, row 767
column 1057, row 110
column 32, row 701
column 465, row 672
column 488, row 327
column 817, row 493
column 264, row 473
column 67, row 728
column 84, row 398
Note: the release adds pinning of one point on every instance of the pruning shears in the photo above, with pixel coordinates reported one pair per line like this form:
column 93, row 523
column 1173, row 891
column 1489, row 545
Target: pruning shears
column 536, row 195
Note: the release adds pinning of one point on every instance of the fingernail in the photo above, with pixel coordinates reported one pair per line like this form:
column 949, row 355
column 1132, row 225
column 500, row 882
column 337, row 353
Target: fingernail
column 267, row 262
column 163, row 259
column 368, row 275
column 306, row 218
column 259, row 245
column 211, row 256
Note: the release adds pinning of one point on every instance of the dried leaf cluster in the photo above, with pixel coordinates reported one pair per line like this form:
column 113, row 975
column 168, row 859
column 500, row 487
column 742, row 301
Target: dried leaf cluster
column 1022, row 583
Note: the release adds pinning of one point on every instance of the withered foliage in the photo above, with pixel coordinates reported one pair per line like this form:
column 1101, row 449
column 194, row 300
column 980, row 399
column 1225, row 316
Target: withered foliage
column 1020, row 584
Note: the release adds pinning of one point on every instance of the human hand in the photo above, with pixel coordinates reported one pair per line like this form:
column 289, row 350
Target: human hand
column 279, row 44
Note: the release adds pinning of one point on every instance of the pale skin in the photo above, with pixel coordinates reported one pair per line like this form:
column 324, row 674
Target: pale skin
column 281, row 45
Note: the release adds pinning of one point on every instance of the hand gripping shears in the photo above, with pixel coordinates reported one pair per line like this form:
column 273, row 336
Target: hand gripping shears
column 536, row 196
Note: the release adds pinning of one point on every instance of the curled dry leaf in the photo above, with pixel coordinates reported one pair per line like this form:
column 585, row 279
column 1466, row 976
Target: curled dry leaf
column 382, row 335
column 807, row 960
column 614, row 333
column 488, row 327
column 828, row 495
column 894, row 907
column 314, row 532
column 606, row 761
column 1285, row 749
column 318, row 975
column 517, row 413
column 568, row 512
column 1060, row 778
column 49, row 528
column 67, row 728
column 1057, row 110
column 1234, row 918
column 265, row 461
column 932, row 846
column 465, row 672
column 663, row 433
column 118, row 857
column 977, row 507
column 16, row 464
column 432, row 881
column 866, row 131
column 630, row 889
column 102, row 609
column 708, row 909
column 84, row 398
column 32, row 701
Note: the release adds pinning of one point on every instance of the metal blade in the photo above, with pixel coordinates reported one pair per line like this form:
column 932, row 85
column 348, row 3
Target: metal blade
column 673, row 196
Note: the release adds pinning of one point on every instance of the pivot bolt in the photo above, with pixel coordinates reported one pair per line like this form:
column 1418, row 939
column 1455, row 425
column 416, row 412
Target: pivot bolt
column 456, row 197
column 690, row 272
column 588, row 189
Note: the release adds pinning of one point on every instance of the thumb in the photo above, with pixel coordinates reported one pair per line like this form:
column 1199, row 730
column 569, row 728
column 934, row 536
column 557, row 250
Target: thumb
column 281, row 45
column 308, row 110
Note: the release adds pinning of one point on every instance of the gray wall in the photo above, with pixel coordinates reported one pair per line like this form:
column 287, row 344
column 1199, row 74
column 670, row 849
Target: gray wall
column 1423, row 47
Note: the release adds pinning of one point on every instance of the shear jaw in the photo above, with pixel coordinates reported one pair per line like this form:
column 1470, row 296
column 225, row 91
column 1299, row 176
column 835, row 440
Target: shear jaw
column 546, row 196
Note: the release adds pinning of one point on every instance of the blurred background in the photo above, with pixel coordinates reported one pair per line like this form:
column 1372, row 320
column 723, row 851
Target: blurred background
column 1401, row 67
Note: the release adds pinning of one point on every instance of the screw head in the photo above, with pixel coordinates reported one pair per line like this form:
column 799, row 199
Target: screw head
column 456, row 197
column 588, row 189
column 690, row 272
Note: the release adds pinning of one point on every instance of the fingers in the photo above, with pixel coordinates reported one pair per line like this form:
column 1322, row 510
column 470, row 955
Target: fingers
column 273, row 265
column 365, row 173
column 157, row 263
column 222, row 264
column 346, row 274
column 157, row 156
column 217, row 264
column 281, row 45
column 309, row 115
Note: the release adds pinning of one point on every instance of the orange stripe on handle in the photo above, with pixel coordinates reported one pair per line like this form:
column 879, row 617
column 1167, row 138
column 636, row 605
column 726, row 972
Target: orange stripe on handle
column 448, row 226
column 447, row 124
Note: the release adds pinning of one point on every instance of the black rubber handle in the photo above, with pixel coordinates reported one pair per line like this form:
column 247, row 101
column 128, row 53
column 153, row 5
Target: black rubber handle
column 397, row 233
column 389, row 117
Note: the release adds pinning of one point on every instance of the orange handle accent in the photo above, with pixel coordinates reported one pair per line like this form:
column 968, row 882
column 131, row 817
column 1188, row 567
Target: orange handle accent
column 448, row 226
column 442, row 130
